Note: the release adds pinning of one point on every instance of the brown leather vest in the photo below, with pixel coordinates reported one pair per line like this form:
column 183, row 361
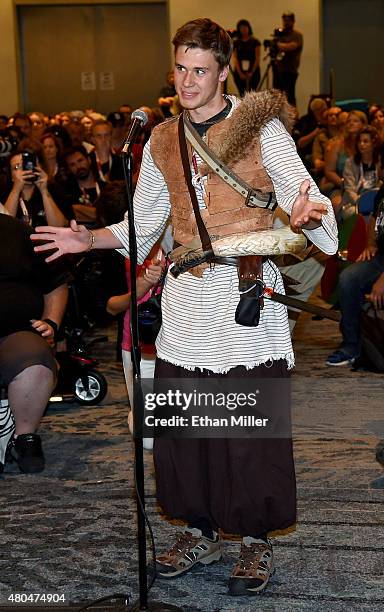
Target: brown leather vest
column 226, row 212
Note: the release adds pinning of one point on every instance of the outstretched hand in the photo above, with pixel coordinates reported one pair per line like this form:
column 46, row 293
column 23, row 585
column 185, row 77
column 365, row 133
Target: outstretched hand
column 73, row 239
column 306, row 214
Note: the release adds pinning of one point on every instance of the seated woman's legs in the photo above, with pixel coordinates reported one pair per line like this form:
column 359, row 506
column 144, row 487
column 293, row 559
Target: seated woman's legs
column 28, row 368
column 28, row 395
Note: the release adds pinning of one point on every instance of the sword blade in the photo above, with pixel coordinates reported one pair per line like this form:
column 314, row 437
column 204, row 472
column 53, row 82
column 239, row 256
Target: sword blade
column 327, row 313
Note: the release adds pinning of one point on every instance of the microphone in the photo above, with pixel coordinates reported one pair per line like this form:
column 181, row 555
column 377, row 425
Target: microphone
column 138, row 119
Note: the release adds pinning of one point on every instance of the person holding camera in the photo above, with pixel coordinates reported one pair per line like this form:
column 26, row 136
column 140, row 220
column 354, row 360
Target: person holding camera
column 30, row 198
column 246, row 56
column 285, row 69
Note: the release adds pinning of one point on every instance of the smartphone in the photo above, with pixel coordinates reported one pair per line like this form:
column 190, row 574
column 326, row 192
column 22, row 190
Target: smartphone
column 29, row 162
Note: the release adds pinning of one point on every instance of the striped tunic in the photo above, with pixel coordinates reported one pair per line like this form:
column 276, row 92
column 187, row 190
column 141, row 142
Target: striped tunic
column 199, row 329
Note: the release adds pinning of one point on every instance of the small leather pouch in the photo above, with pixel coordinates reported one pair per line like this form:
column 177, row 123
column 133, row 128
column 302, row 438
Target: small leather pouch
column 248, row 308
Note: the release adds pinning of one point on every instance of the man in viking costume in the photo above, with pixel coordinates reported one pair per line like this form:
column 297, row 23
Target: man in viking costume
column 240, row 486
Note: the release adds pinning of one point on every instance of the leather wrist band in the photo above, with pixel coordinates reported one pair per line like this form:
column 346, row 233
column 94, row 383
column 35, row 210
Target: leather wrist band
column 91, row 240
column 54, row 325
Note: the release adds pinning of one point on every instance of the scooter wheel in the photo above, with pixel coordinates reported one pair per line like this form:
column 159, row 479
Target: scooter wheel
column 90, row 388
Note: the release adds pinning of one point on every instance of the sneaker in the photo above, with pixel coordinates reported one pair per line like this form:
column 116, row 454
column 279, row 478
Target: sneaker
column 340, row 358
column 254, row 568
column 26, row 450
column 7, row 427
column 191, row 547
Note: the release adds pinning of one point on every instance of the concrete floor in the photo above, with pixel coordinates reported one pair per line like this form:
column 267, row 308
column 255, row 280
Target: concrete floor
column 71, row 530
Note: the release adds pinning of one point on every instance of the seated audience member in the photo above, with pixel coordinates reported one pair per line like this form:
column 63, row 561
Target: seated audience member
column 83, row 187
column 23, row 124
column 51, row 157
column 167, row 94
column 76, row 131
column 3, row 122
column 65, row 119
column 158, row 116
column 107, row 166
column 87, row 123
column 126, row 111
column 339, row 149
column 31, row 199
column 38, row 124
column 61, row 135
column 373, row 107
column 361, row 279
column 146, row 130
column 33, row 300
column 330, row 130
column 377, row 121
column 362, row 171
column 119, row 131
column 307, row 128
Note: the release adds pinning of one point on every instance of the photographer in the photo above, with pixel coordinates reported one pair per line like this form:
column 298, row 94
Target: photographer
column 246, row 56
column 9, row 139
column 285, row 69
column 29, row 197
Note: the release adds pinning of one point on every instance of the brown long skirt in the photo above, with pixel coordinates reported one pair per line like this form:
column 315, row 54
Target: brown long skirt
column 245, row 486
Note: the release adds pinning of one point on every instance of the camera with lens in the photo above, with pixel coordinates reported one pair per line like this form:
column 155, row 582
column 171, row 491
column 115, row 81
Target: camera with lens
column 8, row 143
column 270, row 44
column 233, row 33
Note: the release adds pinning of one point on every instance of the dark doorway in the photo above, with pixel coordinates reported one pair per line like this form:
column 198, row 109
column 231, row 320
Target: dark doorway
column 82, row 56
column 353, row 46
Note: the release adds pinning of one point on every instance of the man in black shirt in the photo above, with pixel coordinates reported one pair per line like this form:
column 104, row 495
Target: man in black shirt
column 364, row 278
column 33, row 299
column 285, row 70
column 83, row 186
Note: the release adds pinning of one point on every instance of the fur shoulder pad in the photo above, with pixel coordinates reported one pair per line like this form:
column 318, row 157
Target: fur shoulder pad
column 248, row 118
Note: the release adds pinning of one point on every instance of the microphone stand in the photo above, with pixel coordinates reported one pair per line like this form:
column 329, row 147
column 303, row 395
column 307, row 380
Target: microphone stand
column 138, row 405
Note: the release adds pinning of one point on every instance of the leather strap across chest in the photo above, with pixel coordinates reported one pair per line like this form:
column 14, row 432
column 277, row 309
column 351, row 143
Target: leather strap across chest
column 252, row 198
column 203, row 233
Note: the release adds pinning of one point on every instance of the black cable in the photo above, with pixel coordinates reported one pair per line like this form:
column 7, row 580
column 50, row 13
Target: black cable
column 104, row 599
column 153, row 545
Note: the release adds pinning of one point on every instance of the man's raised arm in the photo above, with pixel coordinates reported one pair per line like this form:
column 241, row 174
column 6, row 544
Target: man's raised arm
column 73, row 239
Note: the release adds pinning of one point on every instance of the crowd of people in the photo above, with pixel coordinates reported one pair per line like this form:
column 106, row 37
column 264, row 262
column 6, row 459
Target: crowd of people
column 64, row 171
column 344, row 152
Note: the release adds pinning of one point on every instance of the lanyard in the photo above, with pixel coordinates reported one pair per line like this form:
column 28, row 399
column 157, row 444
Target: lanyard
column 85, row 195
column 99, row 166
column 25, row 214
